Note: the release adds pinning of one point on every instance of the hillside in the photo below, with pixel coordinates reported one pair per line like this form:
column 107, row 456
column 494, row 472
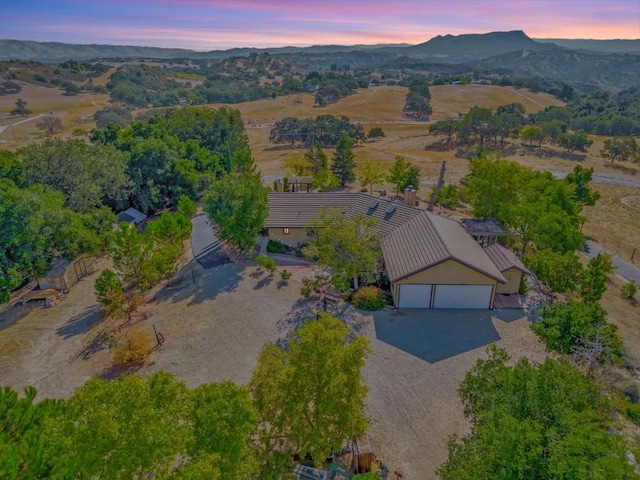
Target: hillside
column 600, row 46
column 612, row 71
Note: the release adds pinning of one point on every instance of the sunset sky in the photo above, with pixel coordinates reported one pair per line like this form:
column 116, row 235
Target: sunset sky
column 222, row 24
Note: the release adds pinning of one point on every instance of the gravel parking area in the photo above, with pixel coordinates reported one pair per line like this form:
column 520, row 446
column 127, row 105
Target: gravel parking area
column 215, row 322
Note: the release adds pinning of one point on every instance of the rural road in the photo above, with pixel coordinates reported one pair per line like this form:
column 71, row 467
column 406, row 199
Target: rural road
column 627, row 270
column 206, row 247
column 4, row 127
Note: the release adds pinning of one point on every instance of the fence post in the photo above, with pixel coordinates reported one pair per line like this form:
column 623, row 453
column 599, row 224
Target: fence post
column 632, row 255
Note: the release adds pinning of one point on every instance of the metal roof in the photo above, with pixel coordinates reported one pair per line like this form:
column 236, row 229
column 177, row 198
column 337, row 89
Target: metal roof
column 414, row 239
column 504, row 258
column 429, row 239
column 485, row 226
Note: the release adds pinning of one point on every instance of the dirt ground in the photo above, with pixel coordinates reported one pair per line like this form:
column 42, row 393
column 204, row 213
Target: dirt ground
column 216, row 321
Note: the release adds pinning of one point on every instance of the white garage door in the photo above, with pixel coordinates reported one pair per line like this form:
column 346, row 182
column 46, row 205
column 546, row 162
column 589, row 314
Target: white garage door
column 462, row 296
column 415, row 296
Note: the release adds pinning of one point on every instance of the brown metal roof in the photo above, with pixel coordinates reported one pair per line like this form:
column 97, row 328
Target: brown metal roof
column 297, row 210
column 414, row 239
column 429, row 239
column 504, row 258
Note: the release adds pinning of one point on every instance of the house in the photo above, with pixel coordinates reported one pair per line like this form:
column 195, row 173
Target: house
column 431, row 261
column 509, row 265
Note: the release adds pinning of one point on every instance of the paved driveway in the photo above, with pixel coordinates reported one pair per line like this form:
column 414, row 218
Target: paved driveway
column 435, row 335
column 206, row 246
column 628, row 271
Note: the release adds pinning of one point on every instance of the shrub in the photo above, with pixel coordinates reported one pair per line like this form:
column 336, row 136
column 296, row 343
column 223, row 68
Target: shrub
column 565, row 327
column 285, row 274
column 267, row 263
column 133, row 348
column 629, row 290
column 186, row 206
column 369, row 298
column 276, row 246
column 632, row 412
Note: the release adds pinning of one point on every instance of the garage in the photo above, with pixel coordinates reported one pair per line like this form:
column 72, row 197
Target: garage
column 415, row 296
column 463, row 296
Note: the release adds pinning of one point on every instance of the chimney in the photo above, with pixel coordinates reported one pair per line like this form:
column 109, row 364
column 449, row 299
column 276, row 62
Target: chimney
column 410, row 196
column 280, row 186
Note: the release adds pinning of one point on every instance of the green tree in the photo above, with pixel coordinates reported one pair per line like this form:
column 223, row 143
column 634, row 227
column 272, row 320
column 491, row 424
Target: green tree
column 560, row 271
column 402, row 174
column 578, row 141
column 85, row 174
column 22, row 435
column 349, row 246
column 565, row 325
column 123, row 428
column 593, row 282
column 531, row 134
column 623, row 149
column 310, row 397
column 21, row 108
column 343, row 164
column 131, row 253
column 223, row 419
column 376, row 132
column 580, row 179
column 186, row 206
column 534, row 421
column 371, row 171
column 106, row 285
column 238, row 205
column 446, row 128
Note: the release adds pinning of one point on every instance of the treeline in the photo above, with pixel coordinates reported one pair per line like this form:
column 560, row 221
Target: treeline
column 418, row 100
column 304, row 401
column 57, row 198
column 324, row 129
column 331, row 86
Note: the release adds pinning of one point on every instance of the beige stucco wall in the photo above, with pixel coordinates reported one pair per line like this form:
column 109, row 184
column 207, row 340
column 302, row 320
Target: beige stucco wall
column 449, row 272
column 513, row 276
column 296, row 236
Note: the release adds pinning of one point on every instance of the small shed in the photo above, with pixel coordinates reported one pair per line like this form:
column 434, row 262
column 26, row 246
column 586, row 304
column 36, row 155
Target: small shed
column 131, row 216
column 362, row 455
column 509, row 265
column 66, row 273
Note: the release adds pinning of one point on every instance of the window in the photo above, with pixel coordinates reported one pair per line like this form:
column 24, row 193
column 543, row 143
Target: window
column 286, row 231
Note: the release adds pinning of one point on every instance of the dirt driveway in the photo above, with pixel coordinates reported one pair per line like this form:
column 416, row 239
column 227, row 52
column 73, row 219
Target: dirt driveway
column 215, row 322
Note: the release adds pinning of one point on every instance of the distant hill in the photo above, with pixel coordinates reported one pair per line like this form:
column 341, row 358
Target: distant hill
column 601, row 46
column 613, row 71
column 464, row 48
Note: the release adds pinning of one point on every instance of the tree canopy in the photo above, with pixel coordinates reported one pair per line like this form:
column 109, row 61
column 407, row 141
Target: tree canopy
column 342, row 163
column 349, row 246
column 310, row 397
column 534, row 421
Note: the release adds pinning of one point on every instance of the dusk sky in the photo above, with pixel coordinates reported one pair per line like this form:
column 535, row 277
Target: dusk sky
column 222, row 24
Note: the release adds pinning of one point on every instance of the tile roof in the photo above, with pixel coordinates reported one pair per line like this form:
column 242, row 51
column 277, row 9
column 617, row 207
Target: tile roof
column 414, row 239
column 504, row 258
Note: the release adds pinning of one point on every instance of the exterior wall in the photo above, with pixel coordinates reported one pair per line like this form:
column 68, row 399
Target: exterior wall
column 296, row 236
column 78, row 268
column 513, row 276
column 449, row 272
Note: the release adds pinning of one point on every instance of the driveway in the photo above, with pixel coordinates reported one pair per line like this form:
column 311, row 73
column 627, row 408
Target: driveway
column 628, row 271
column 207, row 248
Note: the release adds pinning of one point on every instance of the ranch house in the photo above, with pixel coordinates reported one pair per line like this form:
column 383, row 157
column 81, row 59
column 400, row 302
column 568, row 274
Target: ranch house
column 431, row 261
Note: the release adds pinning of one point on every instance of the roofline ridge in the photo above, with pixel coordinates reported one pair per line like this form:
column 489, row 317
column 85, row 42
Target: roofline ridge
column 446, row 247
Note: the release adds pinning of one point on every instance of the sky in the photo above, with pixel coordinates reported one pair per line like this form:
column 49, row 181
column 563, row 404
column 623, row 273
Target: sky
column 223, row 24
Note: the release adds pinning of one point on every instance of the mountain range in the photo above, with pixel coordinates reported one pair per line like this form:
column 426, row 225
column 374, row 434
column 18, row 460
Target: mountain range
column 613, row 64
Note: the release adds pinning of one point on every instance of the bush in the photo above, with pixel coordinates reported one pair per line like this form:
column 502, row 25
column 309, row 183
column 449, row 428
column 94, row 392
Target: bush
column 369, row 298
column 632, row 412
column 133, row 348
column 629, row 290
column 276, row 246
column 267, row 263
column 186, row 206
column 285, row 274
column 564, row 327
